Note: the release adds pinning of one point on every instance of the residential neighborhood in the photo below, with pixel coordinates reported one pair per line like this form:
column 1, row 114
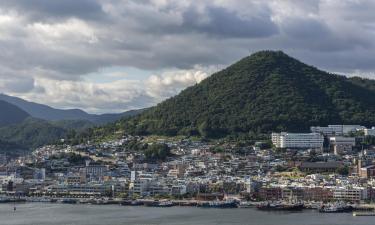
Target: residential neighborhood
column 330, row 164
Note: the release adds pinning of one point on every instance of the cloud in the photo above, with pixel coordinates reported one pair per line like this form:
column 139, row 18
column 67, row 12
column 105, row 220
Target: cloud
column 48, row 49
column 114, row 96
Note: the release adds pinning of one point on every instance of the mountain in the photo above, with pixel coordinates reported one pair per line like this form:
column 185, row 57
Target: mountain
column 11, row 114
column 31, row 133
column 267, row 91
column 51, row 114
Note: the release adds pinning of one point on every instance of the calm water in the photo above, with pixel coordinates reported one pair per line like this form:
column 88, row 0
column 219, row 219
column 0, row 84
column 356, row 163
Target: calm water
column 58, row 214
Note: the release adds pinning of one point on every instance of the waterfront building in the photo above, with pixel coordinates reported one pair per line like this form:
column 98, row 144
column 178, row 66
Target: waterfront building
column 350, row 194
column 297, row 140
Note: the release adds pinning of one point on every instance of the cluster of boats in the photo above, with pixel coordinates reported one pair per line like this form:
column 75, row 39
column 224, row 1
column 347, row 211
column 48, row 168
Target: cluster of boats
column 338, row 207
column 167, row 203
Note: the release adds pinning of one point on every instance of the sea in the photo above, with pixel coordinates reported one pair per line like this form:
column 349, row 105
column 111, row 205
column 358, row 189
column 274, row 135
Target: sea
column 65, row 214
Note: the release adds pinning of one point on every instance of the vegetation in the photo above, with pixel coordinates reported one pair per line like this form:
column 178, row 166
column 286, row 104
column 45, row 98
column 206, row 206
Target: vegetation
column 157, row 152
column 32, row 133
column 267, row 91
column 11, row 148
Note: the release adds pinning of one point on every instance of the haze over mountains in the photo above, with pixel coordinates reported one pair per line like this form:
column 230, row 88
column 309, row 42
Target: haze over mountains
column 25, row 125
column 267, row 91
column 51, row 114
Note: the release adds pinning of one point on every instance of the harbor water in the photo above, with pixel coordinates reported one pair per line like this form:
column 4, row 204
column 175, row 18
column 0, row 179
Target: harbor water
column 66, row 214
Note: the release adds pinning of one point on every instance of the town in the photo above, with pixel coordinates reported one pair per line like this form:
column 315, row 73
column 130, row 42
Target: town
column 329, row 165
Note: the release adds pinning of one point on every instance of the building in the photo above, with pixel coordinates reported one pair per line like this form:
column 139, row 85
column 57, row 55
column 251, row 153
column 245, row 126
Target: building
column 331, row 130
column 336, row 130
column 342, row 145
column 40, row 174
column 350, row 194
column 367, row 172
column 270, row 193
column 95, row 172
column 369, row 132
column 297, row 140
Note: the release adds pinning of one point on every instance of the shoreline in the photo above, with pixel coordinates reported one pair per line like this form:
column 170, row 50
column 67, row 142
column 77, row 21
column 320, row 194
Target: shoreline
column 173, row 203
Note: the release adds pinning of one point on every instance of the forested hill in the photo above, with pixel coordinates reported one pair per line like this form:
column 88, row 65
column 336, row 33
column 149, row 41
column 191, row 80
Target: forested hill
column 11, row 114
column 267, row 91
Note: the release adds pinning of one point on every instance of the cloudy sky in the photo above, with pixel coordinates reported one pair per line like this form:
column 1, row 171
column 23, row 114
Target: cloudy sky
column 115, row 55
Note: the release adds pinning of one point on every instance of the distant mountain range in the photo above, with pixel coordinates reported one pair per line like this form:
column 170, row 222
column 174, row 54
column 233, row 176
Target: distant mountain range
column 25, row 125
column 267, row 91
column 51, row 114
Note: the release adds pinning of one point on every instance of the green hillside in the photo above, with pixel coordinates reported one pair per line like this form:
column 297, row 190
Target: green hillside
column 267, row 91
column 31, row 133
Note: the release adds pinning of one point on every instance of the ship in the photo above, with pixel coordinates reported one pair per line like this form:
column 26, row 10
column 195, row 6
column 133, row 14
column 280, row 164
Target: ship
column 132, row 203
column 68, row 201
column 219, row 204
column 336, row 208
column 281, row 206
column 162, row 204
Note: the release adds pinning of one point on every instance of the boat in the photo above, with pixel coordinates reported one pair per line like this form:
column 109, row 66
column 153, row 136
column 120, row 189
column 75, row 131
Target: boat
column 281, row 206
column 219, row 204
column 5, row 200
column 164, row 204
column 68, row 201
column 336, row 208
column 247, row 204
column 12, row 200
column 131, row 203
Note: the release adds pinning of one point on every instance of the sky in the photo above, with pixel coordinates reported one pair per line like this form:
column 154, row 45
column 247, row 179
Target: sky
column 115, row 55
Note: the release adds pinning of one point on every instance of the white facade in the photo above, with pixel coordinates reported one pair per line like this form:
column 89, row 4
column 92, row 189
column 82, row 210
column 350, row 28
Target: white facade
column 336, row 130
column 297, row 140
column 331, row 130
column 369, row 132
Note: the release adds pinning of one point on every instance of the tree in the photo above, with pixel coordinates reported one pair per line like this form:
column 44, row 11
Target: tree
column 157, row 152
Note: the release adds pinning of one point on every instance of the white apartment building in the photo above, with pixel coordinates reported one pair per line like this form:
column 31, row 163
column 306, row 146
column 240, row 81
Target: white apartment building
column 369, row 132
column 336, row 130
column 331, row 130
column 297, row 140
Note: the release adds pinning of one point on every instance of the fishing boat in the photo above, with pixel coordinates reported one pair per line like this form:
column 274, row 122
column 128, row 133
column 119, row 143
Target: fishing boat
column 131, row 203
column 247, row 204
column 164, row 204
column 68, row 201
column 219, row 204
column 281, row 206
